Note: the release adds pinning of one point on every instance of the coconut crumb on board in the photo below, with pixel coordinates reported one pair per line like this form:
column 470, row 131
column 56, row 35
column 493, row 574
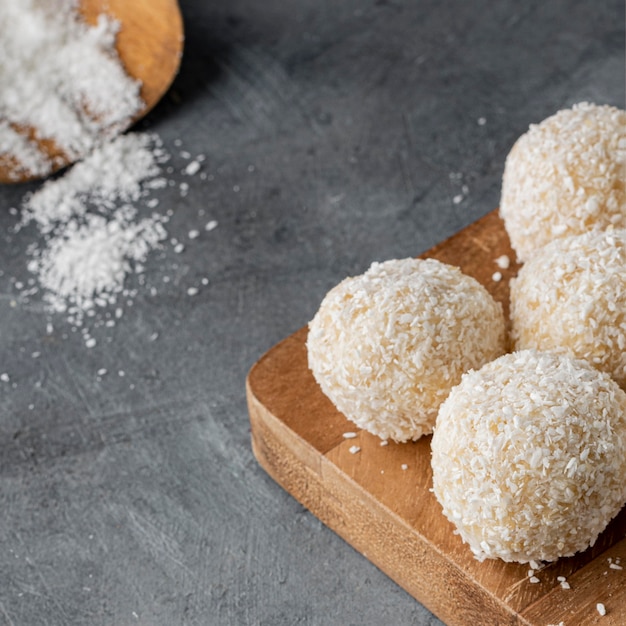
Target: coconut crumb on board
column 601, row 609
column 354, row 449
column 563, row 582
column 503, row 262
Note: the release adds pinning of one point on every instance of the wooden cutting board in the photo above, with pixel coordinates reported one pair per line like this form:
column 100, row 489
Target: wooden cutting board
column 379, row 499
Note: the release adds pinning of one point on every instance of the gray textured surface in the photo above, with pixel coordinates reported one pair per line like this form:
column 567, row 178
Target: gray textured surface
column 136, row 499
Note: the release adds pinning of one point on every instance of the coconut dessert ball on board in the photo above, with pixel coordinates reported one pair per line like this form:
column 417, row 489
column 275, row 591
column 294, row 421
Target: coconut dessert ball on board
column 387, row 346
column 529, row 456
column 572, row 295
column 565, row 176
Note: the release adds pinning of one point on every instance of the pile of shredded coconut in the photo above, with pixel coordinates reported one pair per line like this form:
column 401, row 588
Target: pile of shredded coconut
column 529, row 456
column 387, row 346
column 60, row 81
column 572, row 295
column 565, row 176
column 96, row 226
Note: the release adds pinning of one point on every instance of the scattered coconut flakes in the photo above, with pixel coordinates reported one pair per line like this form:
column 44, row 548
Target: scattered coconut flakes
column 354, row 449
column 601, row 608
column 85, row 265
column 114, row 173
column 192, row 291
column 4, row 377
column 404, row 466
column 92, row 234
column 384, row 442
column 496, row 277
column 211, row 225
column 534, row 580
column 615, row 566
column 349, row 435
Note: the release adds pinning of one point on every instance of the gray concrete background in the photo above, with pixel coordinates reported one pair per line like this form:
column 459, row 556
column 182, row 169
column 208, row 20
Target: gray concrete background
column 336, row 134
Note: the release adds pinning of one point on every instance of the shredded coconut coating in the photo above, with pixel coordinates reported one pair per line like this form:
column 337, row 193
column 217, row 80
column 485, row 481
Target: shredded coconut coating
column 572, row 295
column 387, row 346
column 529, row 456
column 565, row 176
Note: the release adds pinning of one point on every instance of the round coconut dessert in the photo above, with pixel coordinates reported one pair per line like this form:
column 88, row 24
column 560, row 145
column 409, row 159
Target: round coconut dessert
column 529, row 456
column 572, row 295
column 565, row 176
column 387, row 346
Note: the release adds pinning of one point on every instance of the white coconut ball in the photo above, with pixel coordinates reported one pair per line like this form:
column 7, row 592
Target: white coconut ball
column 565, row 176
column 572, row 295
column 529, row 456
column 387, row 346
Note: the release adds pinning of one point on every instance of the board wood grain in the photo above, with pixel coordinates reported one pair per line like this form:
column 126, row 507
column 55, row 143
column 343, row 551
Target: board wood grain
column 379, row 499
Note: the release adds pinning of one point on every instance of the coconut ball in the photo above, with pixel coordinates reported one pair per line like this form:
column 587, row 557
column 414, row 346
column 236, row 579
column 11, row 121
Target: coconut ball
column 572, row 295
column 387, row 346
column 529, row 456
column 565, row 176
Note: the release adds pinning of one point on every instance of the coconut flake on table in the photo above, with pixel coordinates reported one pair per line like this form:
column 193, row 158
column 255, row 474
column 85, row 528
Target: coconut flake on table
column 116, row 171
column 86, row 265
